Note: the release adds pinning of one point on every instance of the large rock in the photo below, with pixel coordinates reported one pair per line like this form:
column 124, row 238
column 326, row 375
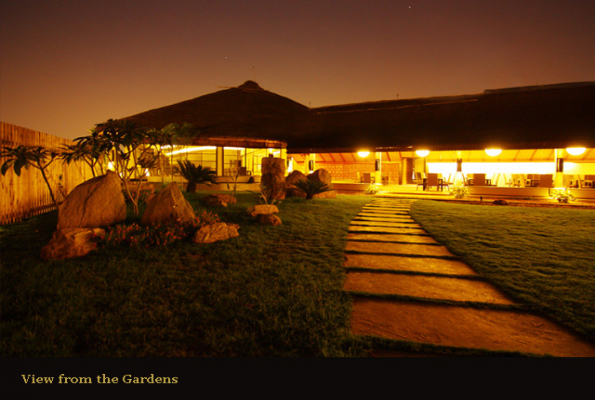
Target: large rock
column 268, row 219
column 215, row 232
column 219, row 200
column 322, row 175
column 290, row 189
column 71, row 243
column 273, row 178
column 98, row 202
column 262, row 209
column 167, row 206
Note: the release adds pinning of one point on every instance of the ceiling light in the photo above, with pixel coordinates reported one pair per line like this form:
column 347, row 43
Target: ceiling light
column 575, row 151
column 493, row 152
column 422, row 153
column 363, row 153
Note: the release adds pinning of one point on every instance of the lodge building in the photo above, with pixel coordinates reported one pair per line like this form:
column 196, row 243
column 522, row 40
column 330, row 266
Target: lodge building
column 502, row 141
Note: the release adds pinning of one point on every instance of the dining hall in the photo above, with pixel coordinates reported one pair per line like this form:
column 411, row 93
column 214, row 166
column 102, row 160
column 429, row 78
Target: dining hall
column 519, row 142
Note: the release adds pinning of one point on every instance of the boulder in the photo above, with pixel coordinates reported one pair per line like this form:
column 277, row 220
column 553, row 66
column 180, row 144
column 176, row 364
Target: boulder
column 290, row 189
column 71, row 243
column 322, row 175
column 273, row 178
column 167, row 206
column 268, row 219
column 215, row 232
column 262, row 209
column 219, row 200
column 500, row 202
column 98, row 202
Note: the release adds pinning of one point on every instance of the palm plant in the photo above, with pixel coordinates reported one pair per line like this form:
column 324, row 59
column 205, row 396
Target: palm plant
column 25, row 156
column 311, row 187
column 196, row 174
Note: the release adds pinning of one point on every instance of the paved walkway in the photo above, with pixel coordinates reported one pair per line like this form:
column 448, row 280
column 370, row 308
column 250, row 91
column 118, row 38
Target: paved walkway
column 406, row 286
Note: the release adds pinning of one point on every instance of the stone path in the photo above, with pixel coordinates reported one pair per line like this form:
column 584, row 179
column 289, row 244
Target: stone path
column 406, row 286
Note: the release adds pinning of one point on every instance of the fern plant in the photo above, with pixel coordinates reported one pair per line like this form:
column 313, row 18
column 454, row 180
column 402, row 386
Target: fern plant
column 196, row 174
column 311, row 187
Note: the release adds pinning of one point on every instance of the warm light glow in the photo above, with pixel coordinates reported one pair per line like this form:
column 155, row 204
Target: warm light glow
column 576, row 151
column 110, row 166
column 422, row 153
column 190, row 150
column 363, row 153
column 493, row 152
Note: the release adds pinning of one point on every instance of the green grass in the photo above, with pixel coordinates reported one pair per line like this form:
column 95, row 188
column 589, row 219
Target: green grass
column 542, row 257
column 272, row 291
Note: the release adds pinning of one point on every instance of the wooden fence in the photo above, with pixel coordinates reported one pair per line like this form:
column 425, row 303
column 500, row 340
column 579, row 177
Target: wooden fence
column 27, row 195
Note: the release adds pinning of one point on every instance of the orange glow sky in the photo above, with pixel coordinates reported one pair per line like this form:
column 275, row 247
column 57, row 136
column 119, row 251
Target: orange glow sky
column 66, row 65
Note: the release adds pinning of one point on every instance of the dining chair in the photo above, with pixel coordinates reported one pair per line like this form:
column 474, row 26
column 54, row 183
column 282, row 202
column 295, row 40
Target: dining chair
column 479, row 179
column 419, row 180
column 546, row 180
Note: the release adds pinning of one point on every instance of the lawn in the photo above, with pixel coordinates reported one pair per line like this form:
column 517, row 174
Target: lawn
column 543, row 257
column 272, row 291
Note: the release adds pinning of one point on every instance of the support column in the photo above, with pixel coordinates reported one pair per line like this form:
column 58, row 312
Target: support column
column 559, row 175
column 378, row 168
column 220, row 162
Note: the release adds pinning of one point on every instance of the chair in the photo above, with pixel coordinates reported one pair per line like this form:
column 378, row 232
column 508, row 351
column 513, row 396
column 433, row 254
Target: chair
column 367, row 177
column 433, row 181
column 546, row 181
column 479, row 179
column 419, row 180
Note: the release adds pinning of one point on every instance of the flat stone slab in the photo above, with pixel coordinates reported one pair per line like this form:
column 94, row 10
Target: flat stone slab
column 405, row 217
column 398, row 248
column 387, row 237
column 386, row 229
column 402, row 220
column 466, row 327
column 383, row 223
column 432, row 287
column 388, row 209
column 415, row 264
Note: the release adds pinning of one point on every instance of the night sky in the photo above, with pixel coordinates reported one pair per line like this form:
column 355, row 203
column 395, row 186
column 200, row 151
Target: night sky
column 66, row 65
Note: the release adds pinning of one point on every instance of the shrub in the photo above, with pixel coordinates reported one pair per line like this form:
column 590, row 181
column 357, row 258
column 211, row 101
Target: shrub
column 311, row 187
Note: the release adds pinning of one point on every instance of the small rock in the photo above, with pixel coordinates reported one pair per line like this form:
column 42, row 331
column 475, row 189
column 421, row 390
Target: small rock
column 215, row 232
column 219, row 200
column 262, row 209
column 500, row 202
column 71, row 243
column 268, row 219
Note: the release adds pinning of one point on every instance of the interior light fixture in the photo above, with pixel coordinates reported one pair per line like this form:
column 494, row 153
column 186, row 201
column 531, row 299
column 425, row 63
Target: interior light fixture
column 422, row 153
column 363, row 153
column 493, row 152
column 575, row 151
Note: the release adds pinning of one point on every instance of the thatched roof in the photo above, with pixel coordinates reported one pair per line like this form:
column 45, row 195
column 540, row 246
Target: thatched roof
column 246, row 111
column 553, row 116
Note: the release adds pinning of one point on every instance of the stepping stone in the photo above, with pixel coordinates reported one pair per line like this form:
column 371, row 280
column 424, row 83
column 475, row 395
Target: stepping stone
column 398, row 248
column 387, row 237
column 466, row 327
column 385, row 219
column 432, row 287
column 414, row 264
column 385, row 215
column 386, row 229
column 383, row 223
column 385, row 209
